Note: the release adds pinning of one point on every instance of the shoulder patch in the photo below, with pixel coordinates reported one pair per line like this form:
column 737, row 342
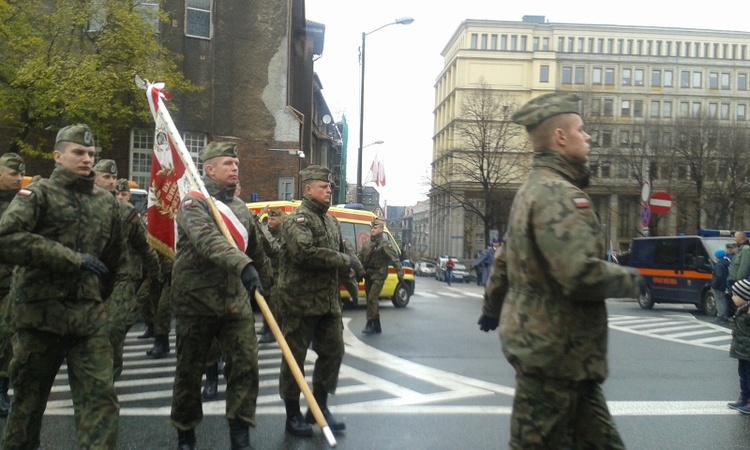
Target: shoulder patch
column 299, row 220
column 25, row 193
column 582, row 202
column 188, row 202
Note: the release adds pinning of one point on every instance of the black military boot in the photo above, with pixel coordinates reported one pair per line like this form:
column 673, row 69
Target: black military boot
column 211, row 388
column 4, row 400
column 322, row 398
column 369, row 327
column 149, row 333
column 186, row 440
column 239, row 435
column 267, row 336
column 161, row 347
column 376, row 325
column 295, row 422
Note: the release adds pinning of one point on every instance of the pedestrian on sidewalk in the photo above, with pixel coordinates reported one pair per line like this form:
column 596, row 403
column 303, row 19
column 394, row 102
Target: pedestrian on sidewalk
column 740, row 347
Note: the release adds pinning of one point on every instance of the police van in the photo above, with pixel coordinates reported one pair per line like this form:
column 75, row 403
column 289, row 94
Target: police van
column 678, row 269
column 355, row 227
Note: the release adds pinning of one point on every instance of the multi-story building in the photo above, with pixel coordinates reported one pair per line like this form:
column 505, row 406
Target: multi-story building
column 645, row 92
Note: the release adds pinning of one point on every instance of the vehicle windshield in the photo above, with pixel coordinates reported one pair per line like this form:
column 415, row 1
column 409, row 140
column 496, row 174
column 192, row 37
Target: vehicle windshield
column 459, row 266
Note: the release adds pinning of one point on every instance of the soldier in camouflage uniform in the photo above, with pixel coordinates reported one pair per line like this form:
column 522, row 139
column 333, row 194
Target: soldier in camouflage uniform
column 548, row 287
column 162, row 313
column 122, row 305
column 212, row 282
column 273, row 250
column 11, row 178
column 64, row 235
column 313, row 260
column 375, row 255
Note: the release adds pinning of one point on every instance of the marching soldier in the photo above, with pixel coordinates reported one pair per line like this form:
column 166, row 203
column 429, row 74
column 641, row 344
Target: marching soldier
column 212, row 282
column 12, row 170
column 548, row 287
column 273, row 249
column 313, row 260
column 64, row 234
column 375, row 256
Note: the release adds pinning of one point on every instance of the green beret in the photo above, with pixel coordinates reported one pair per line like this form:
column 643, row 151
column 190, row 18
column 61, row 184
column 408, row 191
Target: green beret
column 377, row 223
column 105, row 166
column 122, row 185
column 315, row 173
column 215, row 149
column 79, row 134
column 13, row 161
column 275, row 212
column 545, row 106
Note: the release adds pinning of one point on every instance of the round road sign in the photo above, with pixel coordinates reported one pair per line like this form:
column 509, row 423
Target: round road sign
column 660, row 203
column 645, row 192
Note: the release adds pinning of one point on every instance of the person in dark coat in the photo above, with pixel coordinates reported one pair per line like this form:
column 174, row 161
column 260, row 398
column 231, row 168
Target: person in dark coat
column 740, row 347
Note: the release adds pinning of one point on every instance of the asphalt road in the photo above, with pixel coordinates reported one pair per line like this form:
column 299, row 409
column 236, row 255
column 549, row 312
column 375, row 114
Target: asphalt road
column 433, row 381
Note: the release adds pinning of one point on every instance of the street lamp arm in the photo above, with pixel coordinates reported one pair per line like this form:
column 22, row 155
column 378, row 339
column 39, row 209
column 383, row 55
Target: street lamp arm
column 399, row 21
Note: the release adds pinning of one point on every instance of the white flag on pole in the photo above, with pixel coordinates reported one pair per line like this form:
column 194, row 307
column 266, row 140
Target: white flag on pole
column 377, row 171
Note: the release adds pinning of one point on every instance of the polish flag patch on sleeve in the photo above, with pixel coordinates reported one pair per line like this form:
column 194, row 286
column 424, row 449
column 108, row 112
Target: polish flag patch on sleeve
column 582, row 202
column 24, row 193
column 300, row 220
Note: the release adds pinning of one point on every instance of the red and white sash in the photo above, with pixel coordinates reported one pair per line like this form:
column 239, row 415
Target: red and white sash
column 235, row 227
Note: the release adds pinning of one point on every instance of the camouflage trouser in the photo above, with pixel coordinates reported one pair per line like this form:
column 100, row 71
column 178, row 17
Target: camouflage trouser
column 149, row 300
column 162, row 319
column 326, row 334
column 240, row 347
column 550, row 413
column 37, row 358
column 373, row 287
column 6, row 333
column 122, row 313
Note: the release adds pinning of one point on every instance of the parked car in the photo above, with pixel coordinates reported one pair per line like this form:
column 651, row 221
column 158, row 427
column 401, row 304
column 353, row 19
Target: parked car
column 460, row 272
column 424, row 269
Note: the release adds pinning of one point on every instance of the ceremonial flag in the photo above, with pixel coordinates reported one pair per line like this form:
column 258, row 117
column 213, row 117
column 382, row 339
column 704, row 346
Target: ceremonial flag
column 377, row 171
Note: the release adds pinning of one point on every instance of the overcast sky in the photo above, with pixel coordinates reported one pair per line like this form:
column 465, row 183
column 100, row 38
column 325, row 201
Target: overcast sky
column 403, row 63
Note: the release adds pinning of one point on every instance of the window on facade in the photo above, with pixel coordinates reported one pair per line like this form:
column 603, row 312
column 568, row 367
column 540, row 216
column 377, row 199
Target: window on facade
column 610, row 46
column 697, row 80
column 286, row 188
column 630, row 46
column 594, row 141
column 724, row 81
column 668, row 48
column 638, row 80
column 608, row 107
column 741, row 111
column 713, row 80
column 713, row 110
column 591, row 45
column 667, row 108
column 579, row 75
column 684, row 109
column 677, row 48
column 625, row 108
column 716, row 50
column 514, row 42
column 606, row 170
column 653, row 171
column 656, row 78
column 523, row 43
column 742, row 82
column 493, row 42
column 637, row 108
column 637, row 138
column 596, row 107
column 534, row 42
column 141, row 154
column 567, row 75
column 668, row 74
column 622, row 170
column 484, row 42
column 655, row 108
column 194, row 143
column 639, row 48
column 649, row 47
column 545, row 44
column 149, row 12
column 198, row 19
column 474, row 41
column 596, row 75
column 581, row 43
column 626, row 77
column 682, row 172
column 624, row 137
column 609, row 76
column 620, row 46
column 685, row 79
column 561, row 44
column 725, row 111
column 544, row 74
column 606, row 138
column 571, row 44
column 706, row 49
column 696, row 110
column 600, row 45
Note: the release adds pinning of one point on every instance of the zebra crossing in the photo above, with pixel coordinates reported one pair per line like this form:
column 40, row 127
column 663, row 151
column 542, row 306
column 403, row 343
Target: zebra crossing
column 684, row 329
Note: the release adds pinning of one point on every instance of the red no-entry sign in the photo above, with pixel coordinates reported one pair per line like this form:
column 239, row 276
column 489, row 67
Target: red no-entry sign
column 660, row 203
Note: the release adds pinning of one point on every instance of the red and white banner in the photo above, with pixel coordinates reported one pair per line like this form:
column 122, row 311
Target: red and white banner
column 235, row 227
column 377, row 171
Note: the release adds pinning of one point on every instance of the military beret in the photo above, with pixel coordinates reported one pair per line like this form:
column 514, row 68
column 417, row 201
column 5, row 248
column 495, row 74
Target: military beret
column 276, row 213
column 545, row 106
column 215, row 149
column 79, row 134
column 13, row 161
column 105, row 166
column 122, row 185
column 315, row 173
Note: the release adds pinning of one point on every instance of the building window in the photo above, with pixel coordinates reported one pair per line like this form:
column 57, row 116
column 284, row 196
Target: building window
column 741, row 111
column 697, row 80
column 544, row 74
column 571, row 44
column 630, row 46
column 610, row 46
column 622, row 171
column 638, row 80
column 725, row 111
column 713, row 110
column 523, row 44
column 535, row 43
column 609, row 76
column 600, row 46
column 713, row 80
column 513, row 43
column 194, row 143
column 667, row 108
column 149, row 12
column 608, row 107
column 668, row 78
column 626, row 77
column 484, row 42
column 579, row 75
column 620, row 46
column 596, row 107
column 637, row 108
column 596, row 77
column 696, row 110
column 581, row 43
column 606, row 168
column 655, row 108
column 493, row 42
column 286, row 188
column 685, row 79
column 684, row 109
column 567, row 75
column 141, row 154
column 474, row 41
column 724, row 81
column 624, row 137
column 198, row 19
column 742, row 82
column 656, row 78
column 561, row 44
column 545, row 44
column 591, row 45
column 625, row 108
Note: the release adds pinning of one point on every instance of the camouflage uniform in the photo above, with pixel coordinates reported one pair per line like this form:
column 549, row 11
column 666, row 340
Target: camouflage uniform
column 210, row 301
column 376, row 255
column 553, row 319
column 6, row 273
column 59, row 313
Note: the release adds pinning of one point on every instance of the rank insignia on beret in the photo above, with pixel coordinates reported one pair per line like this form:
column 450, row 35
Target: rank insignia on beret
column 24, row 193
column 300, row 220
column 581, row 202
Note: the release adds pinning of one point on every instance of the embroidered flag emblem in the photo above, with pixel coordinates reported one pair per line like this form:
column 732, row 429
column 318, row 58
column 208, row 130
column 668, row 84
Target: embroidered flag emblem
column 24, row 193
column 581, row 202
column 188, row 202
column 300, row 220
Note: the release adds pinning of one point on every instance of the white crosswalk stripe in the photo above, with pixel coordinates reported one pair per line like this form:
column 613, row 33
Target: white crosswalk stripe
column 682, row 329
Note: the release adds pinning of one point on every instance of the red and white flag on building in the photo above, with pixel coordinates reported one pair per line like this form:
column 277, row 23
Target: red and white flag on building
column 377, row 171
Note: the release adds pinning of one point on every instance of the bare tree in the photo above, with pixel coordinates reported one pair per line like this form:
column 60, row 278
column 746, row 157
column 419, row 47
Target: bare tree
column 491, row 154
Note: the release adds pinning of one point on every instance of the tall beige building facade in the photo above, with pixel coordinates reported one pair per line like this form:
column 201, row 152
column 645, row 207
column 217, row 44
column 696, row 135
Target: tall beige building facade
column 639, row 85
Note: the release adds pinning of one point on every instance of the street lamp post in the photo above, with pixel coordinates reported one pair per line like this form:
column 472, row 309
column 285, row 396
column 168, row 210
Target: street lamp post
column 401, row 21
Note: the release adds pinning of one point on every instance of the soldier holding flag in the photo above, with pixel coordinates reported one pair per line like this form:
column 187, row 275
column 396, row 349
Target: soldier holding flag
column 212, row 281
